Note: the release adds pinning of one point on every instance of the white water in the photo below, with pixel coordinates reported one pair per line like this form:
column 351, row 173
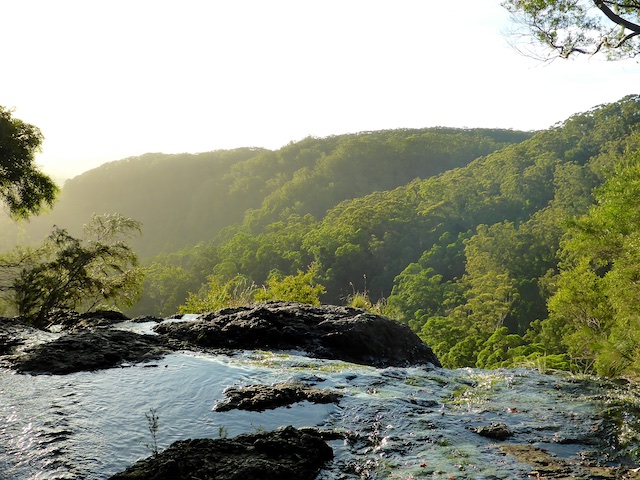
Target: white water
column 401, row 422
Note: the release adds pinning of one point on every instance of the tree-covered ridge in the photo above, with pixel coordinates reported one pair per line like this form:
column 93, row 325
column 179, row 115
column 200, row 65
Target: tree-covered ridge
column 363, row 163
column 498, row 248
column 184, row 199
column 496, row 312
column 468, row 258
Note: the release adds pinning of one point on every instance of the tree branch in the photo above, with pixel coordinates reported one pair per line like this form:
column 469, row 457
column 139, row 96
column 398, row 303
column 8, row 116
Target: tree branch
column 617, row 19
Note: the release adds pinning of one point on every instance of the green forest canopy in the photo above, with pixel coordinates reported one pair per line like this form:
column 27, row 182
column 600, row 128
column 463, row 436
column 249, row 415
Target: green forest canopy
column 499, row 248
column 473, row 258
column 24, row 189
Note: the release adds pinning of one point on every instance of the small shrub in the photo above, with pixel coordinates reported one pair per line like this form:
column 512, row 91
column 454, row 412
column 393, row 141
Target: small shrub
column 301, row 288
column 153, row 423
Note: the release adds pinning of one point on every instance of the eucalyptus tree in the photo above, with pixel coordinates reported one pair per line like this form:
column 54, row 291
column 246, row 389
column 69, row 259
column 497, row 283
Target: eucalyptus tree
column 572, row 27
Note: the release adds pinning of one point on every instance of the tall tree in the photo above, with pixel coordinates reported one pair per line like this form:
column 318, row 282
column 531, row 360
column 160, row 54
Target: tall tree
column 23, row 188
column 568, row 27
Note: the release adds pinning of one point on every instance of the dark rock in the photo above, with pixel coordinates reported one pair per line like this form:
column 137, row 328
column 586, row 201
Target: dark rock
column 8, row 338
column 262, row 397
column 284, row 454
column 73, row 321
column 145, row 319
column 331, row 332
column 112, row 315
column 8, row 344
column 14, row 333
column 90, row 350
column 497, row 431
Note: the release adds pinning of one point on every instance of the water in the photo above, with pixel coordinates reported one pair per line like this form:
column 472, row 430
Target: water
column 397, row 422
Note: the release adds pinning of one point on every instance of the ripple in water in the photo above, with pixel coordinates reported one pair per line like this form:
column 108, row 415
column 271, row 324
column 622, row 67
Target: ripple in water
column 398, row 422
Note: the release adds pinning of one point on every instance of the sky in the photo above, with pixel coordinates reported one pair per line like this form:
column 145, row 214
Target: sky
column 109, row 80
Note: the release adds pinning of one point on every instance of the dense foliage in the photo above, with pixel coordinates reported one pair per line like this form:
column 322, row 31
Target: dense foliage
column 310, row 178
column 66, row 273
column 595, row 311
column 498, row 248
column 185, row 199
column 24, row 189
column 480, row 260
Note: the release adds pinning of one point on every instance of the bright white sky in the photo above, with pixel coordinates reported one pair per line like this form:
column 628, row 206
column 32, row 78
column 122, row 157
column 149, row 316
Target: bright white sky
column 108, row 80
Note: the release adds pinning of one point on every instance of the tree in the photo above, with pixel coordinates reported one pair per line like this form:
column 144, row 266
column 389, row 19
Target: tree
column 67, row 273
column 568, row 27
column 595, row 306
column 23, row 188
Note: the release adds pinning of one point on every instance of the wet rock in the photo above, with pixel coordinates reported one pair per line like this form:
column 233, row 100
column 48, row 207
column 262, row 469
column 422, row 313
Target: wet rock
column 90, row 350
column 9, row 335
column 264, row 397
column 284, row 454
column 330, row 332
column 7, row 344
column 497, row 431
column 14, row 334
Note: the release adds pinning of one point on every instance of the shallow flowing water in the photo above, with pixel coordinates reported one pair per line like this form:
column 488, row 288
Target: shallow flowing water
column 398, row 422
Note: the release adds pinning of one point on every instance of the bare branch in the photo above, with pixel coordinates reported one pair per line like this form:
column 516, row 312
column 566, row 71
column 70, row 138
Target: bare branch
column 617, row 19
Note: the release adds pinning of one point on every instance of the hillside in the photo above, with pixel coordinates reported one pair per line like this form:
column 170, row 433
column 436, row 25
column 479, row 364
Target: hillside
column 185, row 199
column 499, row 248
column 477, row 259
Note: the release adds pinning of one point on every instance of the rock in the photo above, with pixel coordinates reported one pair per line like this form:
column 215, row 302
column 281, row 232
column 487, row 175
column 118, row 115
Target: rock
column 16, row 336
column 284, row 454
column 330, row 332
column 8, row 344
column 90, row 350
column 73, row 321
column 9, row 338
column 262, row 397
column 146, row 319
column 497, row 431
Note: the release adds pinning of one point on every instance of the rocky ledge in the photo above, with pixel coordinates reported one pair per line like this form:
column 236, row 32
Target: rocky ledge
column 285, row 454
column 331, row 332
column 90, row 350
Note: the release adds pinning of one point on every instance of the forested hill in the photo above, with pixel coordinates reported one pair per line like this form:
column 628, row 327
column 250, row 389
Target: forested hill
column 185, row 199
column 499, row 248
column 526, row 255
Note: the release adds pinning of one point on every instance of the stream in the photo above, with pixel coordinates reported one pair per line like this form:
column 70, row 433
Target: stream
column 397, row 422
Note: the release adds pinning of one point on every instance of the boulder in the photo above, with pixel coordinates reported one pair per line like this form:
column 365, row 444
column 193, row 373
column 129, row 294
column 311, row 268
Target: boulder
column 90, row 350
column 331, row 332
column 284, row 454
